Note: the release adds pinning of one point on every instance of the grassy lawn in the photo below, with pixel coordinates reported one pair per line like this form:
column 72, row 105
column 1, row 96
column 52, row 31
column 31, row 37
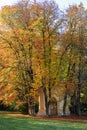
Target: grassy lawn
column 20, row 123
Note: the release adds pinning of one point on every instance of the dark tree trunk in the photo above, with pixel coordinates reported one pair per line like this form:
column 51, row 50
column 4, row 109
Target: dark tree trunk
column 79, row 86
column 65, row 103
column 73, row 103
column 78, row 95
column 46, row 100
column 28, row 106
column 78, row 102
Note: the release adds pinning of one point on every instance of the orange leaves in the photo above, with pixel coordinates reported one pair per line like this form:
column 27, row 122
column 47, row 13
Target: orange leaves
column 72, row 11
column 33, row 47
column 7, row 94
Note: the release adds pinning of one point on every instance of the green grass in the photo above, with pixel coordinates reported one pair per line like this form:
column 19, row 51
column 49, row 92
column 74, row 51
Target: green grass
column 14, row 123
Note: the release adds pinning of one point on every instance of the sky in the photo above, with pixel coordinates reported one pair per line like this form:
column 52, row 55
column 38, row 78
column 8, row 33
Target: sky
column 63, row 4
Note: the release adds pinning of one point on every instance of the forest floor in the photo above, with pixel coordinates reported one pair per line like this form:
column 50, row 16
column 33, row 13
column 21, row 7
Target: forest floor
column 65, row 118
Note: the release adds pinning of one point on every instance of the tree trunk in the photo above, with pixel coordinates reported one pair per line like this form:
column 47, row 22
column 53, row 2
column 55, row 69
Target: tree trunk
column 79, row 86
column 28, row 107
column 65, row 103
column 73, row 103
column 46, row 100
column 78, row 101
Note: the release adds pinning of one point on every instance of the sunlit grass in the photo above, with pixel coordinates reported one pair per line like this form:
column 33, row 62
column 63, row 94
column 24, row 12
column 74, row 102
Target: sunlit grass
column 14, row 123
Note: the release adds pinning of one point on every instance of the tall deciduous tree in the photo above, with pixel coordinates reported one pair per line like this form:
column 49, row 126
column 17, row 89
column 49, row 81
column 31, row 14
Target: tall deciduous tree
column 50, row 19
column 17, row 36
column 76, row 41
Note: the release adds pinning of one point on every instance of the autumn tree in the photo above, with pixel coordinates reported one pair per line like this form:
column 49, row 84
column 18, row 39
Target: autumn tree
column 76, row 43
column 17, row 37
column 48, row 25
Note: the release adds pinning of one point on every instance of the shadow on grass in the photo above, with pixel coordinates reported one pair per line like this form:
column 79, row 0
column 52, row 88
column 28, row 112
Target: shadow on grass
column 14, row 123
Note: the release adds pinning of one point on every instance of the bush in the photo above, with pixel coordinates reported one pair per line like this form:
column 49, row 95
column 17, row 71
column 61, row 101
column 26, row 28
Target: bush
column 23, row 108
column 4, row 107
column 84, row 107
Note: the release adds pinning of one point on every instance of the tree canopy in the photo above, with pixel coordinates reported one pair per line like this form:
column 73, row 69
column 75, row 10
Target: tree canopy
column 40, row 45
